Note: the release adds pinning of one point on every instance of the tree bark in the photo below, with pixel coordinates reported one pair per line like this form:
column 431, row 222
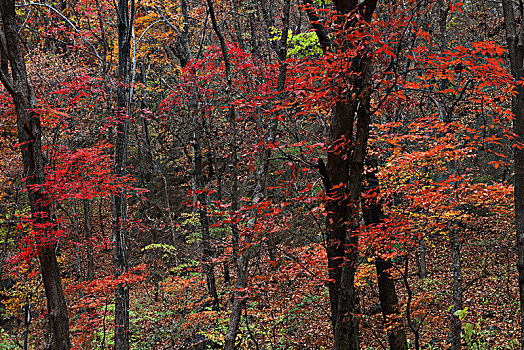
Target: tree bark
column 29, row 130
column 125, row 15
column 373, row 214
column 76, row 242
column 421, row 259
column 342, row 177
column 514, row 37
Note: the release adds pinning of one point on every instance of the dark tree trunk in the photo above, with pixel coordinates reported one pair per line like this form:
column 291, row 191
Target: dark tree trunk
column 342, row 176
column 88, row 235
column 515, row 36
column 389, row 304
column 125, row 16
column 17, row 84
column 201, row 197
column 241, row 257
column 227, row 274
column 76, row 242
column 198, row 177
column 373, row 214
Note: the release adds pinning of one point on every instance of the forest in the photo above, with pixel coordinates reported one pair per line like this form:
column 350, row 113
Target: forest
column 257, row 174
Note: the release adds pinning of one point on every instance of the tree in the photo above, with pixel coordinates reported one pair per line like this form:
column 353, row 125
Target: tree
column 13, row 75
column 125, row 14
column 342, row 175
column 514, row 35
column 373, row 215
column 293, row 159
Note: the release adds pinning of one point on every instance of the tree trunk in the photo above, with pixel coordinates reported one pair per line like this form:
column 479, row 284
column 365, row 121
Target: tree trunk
column 29, row 130
column 125, row 15
column 373, row 214
column 88, row 241
column 260, row 191
column 514, row 37
column 389, row 304
column 76, row 242
column 238, row 302
column 241, row 257
column 455, row 323
column 200, row 201
column 342, row 178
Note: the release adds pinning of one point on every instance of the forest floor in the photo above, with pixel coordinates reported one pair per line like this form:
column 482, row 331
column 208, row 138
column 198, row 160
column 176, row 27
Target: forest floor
column 490, row 293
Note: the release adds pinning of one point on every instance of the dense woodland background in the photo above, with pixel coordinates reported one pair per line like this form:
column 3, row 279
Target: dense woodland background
column 261, row 174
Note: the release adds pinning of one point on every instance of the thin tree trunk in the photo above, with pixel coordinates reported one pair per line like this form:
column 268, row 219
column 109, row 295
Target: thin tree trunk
column 455, row 323
column 198, row 178
column 201, row 197
column 88, row 235
column 16, row 82
column 260, row 191
column 241, row 257
column 227, row 274
column 125, row 14
column 76, row 242
column 238, row 302
column 421, row 263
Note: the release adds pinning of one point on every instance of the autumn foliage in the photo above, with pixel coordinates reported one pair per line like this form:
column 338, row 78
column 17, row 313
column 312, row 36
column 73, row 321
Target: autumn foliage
column 229, row 187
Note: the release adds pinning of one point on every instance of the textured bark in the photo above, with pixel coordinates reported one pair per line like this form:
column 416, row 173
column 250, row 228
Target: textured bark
column 342, row 178
column 29, row 130
column 514, row 37
column 125, row 15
